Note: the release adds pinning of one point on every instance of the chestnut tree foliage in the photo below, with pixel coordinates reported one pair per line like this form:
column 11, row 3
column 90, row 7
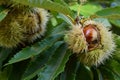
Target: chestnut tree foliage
column 49, row 57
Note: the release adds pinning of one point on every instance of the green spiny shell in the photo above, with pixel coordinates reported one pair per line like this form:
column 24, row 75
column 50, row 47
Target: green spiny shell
column 78, row 44
column 22, row 25
column 34, row 24
column 105, row 49
column 11, row 33
column 76, row 39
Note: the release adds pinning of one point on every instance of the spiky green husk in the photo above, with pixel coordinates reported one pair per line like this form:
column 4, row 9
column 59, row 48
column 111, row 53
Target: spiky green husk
column 22, row 24
column 105, row 49
column 10, row 34
column 76, row 40
column 35, row 24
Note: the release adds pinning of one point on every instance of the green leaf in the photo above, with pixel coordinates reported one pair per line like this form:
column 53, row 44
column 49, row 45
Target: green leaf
column 55, row 65
column 36, row 65
column 86, row 10
column 4, row 75
column 104, row 21
column 17, row 70
column 115, row 28
column 3, row 14
column 66, row 19
column 113, row 66
column 35, row 49
column 97, row 74
column 116, row 23
column 46, row 4
column 60, row 29
column 108, row 74
column 82, row 72
column 61, row 1
column 4, row 53
column 53, row 21
column 111, row 13
column 71, row 69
